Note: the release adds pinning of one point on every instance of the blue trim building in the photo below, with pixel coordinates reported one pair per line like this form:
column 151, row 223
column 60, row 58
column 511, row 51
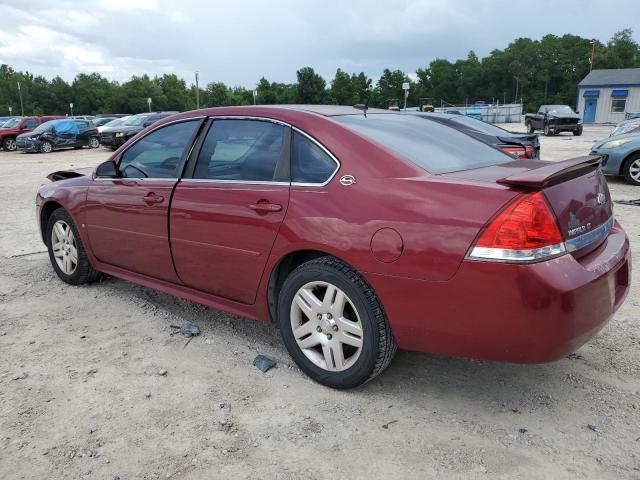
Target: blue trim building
column 604, row 96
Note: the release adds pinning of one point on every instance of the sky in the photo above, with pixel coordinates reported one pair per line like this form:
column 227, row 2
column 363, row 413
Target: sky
column 239, row 41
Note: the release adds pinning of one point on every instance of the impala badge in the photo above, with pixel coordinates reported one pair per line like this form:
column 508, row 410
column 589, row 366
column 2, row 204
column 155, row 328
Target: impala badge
column 601, row 199
column 347, row 180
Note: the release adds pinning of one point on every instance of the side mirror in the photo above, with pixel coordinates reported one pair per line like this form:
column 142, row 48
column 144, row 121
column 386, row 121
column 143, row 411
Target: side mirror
column 107, row 170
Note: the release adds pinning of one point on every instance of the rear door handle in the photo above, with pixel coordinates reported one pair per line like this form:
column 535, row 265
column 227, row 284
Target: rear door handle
column 265, row 207
column 152, row 198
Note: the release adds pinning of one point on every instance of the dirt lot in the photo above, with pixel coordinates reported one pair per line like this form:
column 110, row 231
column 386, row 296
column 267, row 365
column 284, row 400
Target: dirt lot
column 81, row 394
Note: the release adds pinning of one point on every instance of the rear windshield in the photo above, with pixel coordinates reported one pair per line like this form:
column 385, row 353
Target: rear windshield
column 478, row 125
column 429, row 145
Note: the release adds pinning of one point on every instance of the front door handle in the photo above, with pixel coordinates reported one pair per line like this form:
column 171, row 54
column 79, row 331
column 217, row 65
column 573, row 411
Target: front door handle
column 265, row 207
column 152, row 198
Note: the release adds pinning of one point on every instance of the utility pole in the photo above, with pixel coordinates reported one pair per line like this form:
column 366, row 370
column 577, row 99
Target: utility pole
column 405, row 87
column 21, row 104
column 255, row 95
column 149, row 102
column 71, row 108
column 593, row 53
column 197, row 92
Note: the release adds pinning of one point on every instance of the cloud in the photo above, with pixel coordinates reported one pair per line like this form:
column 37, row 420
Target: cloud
column 239, row 42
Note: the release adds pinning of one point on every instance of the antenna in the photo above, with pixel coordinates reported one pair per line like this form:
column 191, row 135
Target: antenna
column 362, row 106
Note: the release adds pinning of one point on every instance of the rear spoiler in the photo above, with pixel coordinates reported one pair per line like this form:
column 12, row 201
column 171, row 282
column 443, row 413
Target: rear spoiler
column 551, row 173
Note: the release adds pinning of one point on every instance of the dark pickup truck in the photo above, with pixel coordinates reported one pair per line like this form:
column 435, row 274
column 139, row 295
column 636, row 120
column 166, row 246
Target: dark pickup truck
column 553, row 119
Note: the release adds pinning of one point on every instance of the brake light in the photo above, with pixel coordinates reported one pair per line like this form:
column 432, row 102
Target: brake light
column 519, row 152
column 525, row 231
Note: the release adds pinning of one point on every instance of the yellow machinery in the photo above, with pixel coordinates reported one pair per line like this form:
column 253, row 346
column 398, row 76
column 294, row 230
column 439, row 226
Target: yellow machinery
column 426, row 105
column 393, row 104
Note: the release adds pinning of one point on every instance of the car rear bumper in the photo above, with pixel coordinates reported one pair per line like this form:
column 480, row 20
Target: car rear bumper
column 530, row 313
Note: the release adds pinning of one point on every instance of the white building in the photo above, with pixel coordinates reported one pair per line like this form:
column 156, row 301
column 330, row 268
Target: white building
column 604, row 96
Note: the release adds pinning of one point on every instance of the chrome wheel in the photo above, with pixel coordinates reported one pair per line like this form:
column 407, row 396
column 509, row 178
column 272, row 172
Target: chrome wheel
column 46, row 147
column 326, row 326
column 94, row 143
column 65, row 250
column 10, row 144
column 634, row 170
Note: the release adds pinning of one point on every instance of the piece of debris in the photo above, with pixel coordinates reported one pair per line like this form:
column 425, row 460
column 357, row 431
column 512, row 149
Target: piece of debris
column 628, row 202
column 21, row 376
column 92, row 371
column 593, row 428
column 522, row 430
column 162, row 372
column 264, row 364
column 147, row 395
column 386, row 425
column 187, row 329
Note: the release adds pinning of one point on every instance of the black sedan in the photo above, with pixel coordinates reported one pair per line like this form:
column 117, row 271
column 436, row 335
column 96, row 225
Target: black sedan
column 520, row 145
column 114, row 137
column 58, row 134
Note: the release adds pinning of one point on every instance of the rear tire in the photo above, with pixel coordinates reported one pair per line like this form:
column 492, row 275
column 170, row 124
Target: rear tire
column 317, row 346
column 631, row 170
column 547, row 131
column 66, row 251
column 530, row 128
column 9, row 144
column 577, row 132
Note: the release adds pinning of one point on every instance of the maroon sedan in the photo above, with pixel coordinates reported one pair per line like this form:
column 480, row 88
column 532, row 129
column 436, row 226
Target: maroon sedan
column 356, row 232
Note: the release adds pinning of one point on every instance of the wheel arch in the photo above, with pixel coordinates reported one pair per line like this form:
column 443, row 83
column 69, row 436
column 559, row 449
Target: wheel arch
column 284, row 267
column 629, row 156
column 45, row 213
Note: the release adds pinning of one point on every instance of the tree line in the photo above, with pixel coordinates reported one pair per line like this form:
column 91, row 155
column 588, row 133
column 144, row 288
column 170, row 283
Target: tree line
column 532, row 71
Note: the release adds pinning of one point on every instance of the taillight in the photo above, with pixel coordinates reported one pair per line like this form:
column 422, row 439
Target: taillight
column 525, row 231
column 519, row 152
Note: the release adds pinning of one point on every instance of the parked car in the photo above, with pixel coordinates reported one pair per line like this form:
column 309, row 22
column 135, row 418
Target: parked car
column 115, row 137
column 554, row 119
column 621, row 156
column 17, row 126
column 626, row 126
column 100, row 121
column 355, row 234
column 59, row 134
column 517, row 144
column 112, row 123
column 4, row 120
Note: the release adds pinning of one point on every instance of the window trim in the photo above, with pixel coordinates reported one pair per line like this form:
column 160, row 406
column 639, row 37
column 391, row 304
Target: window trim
column 183, row 159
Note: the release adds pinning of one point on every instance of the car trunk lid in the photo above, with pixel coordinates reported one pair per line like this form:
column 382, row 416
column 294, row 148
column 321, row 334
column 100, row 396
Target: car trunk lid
column 575, row 189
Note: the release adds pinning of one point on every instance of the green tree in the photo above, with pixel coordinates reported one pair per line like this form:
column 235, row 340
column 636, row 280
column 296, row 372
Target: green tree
column 342, row 89
column 311, row 86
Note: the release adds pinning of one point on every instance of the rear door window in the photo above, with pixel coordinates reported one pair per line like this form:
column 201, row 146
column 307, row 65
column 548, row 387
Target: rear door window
column 242, row 150
column 430, row 145
column 30, row 123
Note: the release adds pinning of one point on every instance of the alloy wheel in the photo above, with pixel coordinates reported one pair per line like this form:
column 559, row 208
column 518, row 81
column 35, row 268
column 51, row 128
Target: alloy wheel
column 10, row 144
column 65, row 249
column 634, row 170
column 94, row 143
column 46, row 147
column 326, row 326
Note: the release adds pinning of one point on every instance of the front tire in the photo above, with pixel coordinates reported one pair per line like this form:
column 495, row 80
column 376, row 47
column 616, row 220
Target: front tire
column 333, row 324
column 577, row 132
column 46, row 147
column 631, row 170
column 66, row 251
column 547, row 131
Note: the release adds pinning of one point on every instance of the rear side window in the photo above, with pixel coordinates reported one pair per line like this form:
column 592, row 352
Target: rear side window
column 430, row 145
column 310, row 163
column 158, row 154
column 242, row 150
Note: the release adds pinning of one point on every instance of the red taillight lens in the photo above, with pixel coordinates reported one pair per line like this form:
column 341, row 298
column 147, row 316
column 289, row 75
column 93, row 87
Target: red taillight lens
column 526, row 230
column 519, row 152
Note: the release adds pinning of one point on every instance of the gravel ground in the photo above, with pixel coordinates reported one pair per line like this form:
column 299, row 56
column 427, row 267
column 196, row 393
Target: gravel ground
column 84, row 392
